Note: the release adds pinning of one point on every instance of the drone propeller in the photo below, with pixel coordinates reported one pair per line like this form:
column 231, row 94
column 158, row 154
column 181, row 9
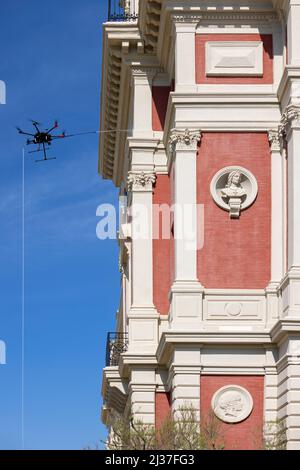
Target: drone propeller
column 35, row 122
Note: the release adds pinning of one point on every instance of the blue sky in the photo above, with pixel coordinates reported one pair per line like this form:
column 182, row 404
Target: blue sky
column 51, row 63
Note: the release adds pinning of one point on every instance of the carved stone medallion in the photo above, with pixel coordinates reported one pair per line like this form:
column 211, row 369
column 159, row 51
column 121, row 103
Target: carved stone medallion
column 234, row 188
column 233, row 308
column 232, row 404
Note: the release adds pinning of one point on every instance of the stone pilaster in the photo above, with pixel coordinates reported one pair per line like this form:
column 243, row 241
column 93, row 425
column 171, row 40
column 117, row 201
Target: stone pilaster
column 293, row 32
column 289, row 390
column 277, row 225
column 186, row 292
column 184, row 379
column 142, row 394
column 290, row 131
column 185, row 72
column 143, row 317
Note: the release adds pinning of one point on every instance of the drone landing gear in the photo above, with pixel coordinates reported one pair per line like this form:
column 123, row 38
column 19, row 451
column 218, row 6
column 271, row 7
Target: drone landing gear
column 45, row 159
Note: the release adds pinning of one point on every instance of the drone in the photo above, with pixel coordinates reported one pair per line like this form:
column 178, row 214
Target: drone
column 43, row 139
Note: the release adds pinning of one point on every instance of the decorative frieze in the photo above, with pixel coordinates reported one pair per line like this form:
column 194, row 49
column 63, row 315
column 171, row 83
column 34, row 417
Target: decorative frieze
column 290, row 118
column 186, row 139
column 223, row 16
column 140, row 181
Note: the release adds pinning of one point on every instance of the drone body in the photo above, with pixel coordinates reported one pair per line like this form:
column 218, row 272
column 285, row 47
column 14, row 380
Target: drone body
column 42, row 138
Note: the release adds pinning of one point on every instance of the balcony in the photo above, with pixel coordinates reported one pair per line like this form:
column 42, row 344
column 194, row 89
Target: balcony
column 116, row 344
column 122, row 10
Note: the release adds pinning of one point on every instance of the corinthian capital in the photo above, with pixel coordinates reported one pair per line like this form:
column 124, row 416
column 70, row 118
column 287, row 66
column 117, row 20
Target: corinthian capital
column 140, row 181
column 274, row 140
column 187, row 139
column 289, row 119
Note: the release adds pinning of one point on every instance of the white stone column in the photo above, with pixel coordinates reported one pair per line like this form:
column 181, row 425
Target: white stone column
column 270, row 393
column 142, row 101
column 185, row 146
column 290, row 129
column 293, row 32
column 293, row 139
column 277, row 211
column 186, row 292
column 143, row 317
column 141, row 186
column 277, row 226
column 185, row 59
column 184, row 379
column 289, row 390
column 288, row 330
column 142, row 394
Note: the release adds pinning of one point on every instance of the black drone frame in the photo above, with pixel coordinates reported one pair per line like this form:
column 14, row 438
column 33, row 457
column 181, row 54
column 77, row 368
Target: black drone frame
column 43, row 139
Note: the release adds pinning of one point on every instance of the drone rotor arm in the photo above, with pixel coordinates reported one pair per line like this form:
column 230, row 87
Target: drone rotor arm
column 72, row 135
column 25, row 133
column 52, row 128
column 35, row 124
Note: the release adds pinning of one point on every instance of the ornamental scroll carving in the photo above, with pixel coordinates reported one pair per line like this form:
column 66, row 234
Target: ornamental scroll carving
column 138, row 181
column 274, row 140
column 186, row 139
column 290, row 117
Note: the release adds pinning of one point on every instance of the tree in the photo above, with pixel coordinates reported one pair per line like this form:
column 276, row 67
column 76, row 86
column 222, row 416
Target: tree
column 176, row 432
column 275, row 435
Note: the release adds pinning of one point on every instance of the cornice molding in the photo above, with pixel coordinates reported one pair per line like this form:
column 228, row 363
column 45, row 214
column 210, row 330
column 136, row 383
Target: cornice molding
column 283, row 328
column 145, row 71
column 223, row 16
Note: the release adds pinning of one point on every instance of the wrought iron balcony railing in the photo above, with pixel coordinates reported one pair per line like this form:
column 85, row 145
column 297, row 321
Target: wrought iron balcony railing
column 122, row 10
column 117, row 343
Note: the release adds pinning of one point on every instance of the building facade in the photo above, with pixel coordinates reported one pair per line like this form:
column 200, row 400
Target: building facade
column 201, row 113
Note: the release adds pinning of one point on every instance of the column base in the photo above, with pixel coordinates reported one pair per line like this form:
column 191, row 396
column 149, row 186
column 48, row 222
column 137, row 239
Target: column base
column 272, row 297
column 143, row 323
column 290, row 288
column 186, row 305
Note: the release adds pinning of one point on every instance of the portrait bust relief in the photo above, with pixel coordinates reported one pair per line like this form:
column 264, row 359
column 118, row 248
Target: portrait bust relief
column 234, row 189
column 232, row 404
